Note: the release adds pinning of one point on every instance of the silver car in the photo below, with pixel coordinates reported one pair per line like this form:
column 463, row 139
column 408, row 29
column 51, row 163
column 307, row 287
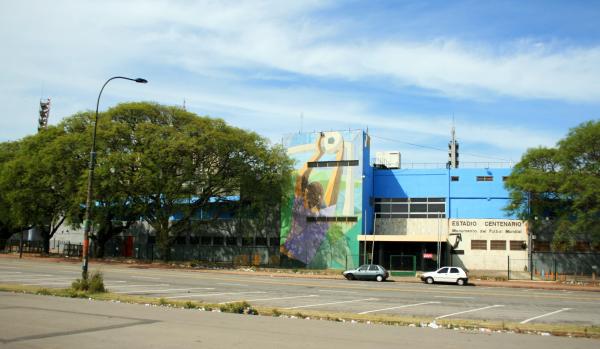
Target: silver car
column 367, row 272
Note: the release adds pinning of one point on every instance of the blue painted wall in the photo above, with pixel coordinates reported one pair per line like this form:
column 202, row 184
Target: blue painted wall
column 466, row 198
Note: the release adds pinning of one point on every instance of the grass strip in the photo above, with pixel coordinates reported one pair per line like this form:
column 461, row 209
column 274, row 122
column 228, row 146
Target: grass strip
column 396, row 320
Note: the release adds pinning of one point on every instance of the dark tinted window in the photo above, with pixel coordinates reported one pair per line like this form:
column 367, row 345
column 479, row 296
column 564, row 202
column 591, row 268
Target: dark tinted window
column 453, row 271
column 373, row 268
column 443, row 271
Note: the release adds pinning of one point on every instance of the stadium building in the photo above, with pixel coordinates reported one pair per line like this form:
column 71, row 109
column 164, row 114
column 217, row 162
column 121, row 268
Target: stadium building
column 348, row 209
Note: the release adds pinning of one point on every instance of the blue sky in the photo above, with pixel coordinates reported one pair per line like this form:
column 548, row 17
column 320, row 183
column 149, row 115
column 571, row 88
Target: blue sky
column 512, row 74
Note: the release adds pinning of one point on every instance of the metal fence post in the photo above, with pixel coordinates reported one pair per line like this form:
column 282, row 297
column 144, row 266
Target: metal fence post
column 554, row 267
column 508, row 271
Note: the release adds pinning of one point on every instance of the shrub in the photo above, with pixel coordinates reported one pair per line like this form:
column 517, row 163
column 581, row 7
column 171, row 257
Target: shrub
column 93, row 284
column 162, row 301
column 189, row 305
column 44, row 292
column 238, row 308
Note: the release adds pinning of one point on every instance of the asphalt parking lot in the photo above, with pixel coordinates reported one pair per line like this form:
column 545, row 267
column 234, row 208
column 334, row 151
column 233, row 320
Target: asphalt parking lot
column 521, row 305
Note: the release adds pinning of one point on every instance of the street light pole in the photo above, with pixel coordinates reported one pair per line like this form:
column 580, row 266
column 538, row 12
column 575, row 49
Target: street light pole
column 88, row 201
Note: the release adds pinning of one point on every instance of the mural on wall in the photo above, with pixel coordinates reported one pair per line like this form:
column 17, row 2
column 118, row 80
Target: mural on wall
column 321, row 222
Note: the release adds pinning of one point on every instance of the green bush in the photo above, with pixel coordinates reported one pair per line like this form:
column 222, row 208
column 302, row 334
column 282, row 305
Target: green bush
column 238, row 308
column 189, row 305
column 93, row 284
column 162, row 301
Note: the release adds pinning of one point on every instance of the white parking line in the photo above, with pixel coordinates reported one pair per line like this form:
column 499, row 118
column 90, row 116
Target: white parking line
column 124, row 286
column 166, row 290
column 316, row 305
column 271, row 299
column 230, row 284
column 145, row 277
column 48, row 283
column 453, row 297
column 211, row 294
column 469, row 311
column 398, row 307
column 334, row 291
column 548, row 314
column 35, row 279
column 31, row 275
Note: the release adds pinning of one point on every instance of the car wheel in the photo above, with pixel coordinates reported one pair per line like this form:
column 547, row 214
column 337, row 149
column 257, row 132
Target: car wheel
column 429, row 280
column 350, row 276
column 460, row 282
column 379, row 278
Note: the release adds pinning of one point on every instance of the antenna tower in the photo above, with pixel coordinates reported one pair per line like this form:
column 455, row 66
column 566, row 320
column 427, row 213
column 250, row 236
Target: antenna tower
column 44, row 114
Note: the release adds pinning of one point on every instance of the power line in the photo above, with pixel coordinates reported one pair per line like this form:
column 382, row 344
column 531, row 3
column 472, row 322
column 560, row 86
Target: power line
column 440, row 149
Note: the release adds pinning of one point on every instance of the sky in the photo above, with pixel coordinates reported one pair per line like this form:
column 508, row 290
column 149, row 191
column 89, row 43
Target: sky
column 510, row 75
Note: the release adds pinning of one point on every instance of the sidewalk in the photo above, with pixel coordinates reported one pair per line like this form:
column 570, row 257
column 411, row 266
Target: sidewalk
column 303, row 273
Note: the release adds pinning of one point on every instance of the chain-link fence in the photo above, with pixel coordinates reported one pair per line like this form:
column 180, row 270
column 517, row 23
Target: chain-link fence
column 554, row 266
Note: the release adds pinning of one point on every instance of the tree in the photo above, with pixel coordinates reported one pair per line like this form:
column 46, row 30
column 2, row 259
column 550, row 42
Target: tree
column 40, row 180
column 7, row 225
column 563, row 184
column 164, row 164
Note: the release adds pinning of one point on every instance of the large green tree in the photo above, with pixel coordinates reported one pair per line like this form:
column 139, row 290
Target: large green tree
column 40, row 181
column 563, row 185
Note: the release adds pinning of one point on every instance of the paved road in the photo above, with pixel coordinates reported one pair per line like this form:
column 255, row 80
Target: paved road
column 30, row 321
column 396, row 298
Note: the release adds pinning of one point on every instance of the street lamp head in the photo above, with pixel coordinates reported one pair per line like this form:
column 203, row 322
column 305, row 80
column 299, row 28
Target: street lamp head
column 141, row 81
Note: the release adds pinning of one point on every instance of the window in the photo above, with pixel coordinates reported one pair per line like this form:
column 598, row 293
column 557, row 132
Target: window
column 206, row 240
column 218, row 241
column 454, row 178
column 332, row 163
column 410, row 207
column 247, row 241
column 443, row 271
column 259, row 241
column 194, row 240
column 516, row 245
column 231, row 241
column 498, row 245
column 373, row 267
column 363, row 268
column 541, row 246
column 485, row 178
column 478, row 244
column 453, row 271
column 313, row 219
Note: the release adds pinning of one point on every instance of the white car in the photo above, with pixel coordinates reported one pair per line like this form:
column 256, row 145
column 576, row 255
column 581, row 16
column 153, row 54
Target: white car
column 453, row 275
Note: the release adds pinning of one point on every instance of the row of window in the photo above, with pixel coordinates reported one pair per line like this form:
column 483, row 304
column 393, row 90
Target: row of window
column 410, row 207
column 514, row 245
column 228, row 241
column 334, row 163
column 332, row 219
column 479, row 178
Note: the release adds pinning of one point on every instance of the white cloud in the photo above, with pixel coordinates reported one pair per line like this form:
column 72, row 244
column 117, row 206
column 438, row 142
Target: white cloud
column 73, row 46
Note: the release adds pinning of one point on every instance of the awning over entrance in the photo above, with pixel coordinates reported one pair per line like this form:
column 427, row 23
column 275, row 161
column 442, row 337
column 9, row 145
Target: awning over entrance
column 407, row 238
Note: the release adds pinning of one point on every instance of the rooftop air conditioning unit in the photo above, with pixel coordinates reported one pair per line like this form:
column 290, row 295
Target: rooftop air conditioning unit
column 387, row 159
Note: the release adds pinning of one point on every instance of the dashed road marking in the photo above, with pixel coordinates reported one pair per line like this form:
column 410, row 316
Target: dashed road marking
column 212, row 294
column 469, row 311
column 317, row 305
column 544, row 315
column 398, row 307
column 272, row 299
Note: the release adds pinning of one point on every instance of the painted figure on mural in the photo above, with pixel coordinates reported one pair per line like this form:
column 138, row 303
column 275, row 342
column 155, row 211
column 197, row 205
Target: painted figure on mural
column 312, row 200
